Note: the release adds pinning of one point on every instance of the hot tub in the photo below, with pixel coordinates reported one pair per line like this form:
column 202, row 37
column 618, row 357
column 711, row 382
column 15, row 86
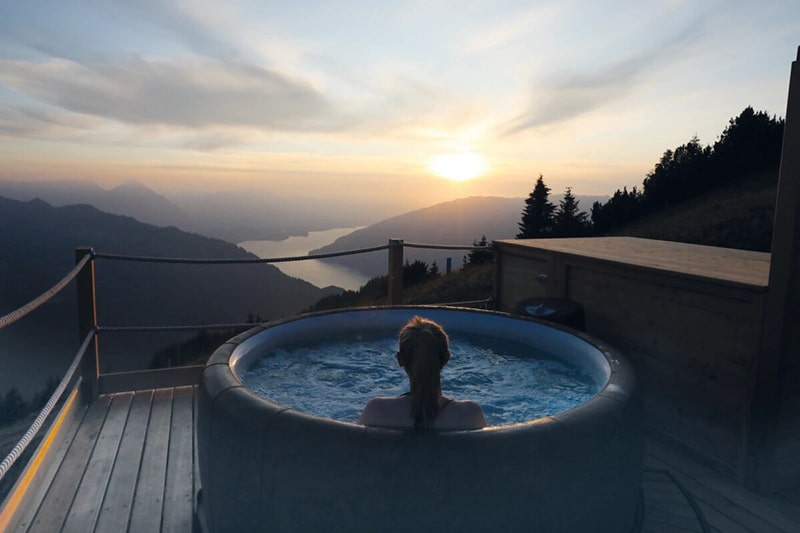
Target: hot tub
column 265, row 466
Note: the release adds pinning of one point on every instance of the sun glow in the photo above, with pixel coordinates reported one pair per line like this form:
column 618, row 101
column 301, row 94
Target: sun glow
column 461, row 166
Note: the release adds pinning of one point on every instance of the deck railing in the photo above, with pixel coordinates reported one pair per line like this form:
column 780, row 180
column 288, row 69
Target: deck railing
column 87, row 383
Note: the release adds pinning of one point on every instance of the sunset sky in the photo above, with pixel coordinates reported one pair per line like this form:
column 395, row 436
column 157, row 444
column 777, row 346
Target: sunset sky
column 379, row 98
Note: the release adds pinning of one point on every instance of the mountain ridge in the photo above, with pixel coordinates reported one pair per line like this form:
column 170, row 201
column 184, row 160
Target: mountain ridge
column 38, row 250
column 455, row 222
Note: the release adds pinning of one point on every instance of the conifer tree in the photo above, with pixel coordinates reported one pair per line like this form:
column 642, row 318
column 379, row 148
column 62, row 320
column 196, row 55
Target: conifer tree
column 569, row 221
column 480, row 257
column 537, row 217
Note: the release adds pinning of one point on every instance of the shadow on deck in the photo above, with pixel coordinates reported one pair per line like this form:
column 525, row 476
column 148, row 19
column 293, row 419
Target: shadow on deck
column 130, row 465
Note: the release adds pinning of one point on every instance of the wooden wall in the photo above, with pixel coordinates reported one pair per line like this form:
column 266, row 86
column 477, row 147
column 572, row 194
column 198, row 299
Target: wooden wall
column 694, row 340
column 775, row 458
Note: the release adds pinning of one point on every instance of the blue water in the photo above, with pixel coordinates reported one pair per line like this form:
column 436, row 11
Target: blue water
column 511, row 381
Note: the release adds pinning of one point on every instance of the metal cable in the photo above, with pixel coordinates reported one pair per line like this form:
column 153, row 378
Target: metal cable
column 185, row 260
column 26, row 439
column 43, row 298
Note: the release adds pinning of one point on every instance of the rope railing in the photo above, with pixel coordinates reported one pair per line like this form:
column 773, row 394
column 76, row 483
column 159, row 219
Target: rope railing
column 26, row 439
column 469, row 303
column 43, row 298
column 469, row 247
column 34, row 304
column 127, row 329
column 222, row 261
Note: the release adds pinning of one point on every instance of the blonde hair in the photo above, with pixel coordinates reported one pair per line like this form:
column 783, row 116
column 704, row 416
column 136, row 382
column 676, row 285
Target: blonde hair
column 424, row 350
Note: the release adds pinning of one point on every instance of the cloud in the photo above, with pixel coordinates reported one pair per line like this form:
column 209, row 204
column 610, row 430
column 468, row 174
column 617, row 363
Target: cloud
column 515, row 26
column 577, row 94
column 209, row 142
column 196, row 94
column 193, row 23
column 27, row 122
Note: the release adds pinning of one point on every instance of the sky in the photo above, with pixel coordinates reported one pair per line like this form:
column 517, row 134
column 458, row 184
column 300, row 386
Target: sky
column 366, row 99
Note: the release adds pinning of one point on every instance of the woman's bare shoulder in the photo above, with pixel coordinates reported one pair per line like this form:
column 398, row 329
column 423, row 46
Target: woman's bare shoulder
column 382, row 411
column 465, row 414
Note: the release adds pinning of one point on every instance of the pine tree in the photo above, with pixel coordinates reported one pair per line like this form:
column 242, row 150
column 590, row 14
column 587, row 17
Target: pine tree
column 537, row 217
column 569, row 221
column 480, row 257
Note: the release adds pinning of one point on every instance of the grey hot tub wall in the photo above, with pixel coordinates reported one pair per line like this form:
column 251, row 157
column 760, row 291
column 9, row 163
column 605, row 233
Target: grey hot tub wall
column 279, row 469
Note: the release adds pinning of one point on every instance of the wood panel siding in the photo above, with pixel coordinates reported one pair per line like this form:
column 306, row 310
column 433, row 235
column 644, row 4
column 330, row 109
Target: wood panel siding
column 689, row 318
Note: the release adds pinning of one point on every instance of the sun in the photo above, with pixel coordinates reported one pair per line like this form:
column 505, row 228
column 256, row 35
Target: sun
column 458, row 166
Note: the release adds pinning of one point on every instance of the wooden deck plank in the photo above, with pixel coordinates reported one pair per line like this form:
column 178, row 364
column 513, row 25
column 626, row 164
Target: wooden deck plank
column 92, row 488
column 117, row 504
column 39, row 492
column 651, row 525
column 154, row 477
column 788, row 502
column 149, row 496
column 179, row 485
column 56, row 505
column 719, row 511
column 767, row 509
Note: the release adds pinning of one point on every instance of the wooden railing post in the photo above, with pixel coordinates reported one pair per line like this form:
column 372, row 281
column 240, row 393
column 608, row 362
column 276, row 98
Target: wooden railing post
column 497, row 281
column 87, row 319
column 395, row 271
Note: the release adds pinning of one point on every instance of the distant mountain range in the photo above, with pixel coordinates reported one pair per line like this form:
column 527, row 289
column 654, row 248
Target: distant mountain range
column 456, row 222
column 37, row 249
column 231, row 215
column 129, row 199
column 38, row 241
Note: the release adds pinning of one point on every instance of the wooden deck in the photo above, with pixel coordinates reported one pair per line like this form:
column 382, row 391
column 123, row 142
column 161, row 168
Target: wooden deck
column 130, row 465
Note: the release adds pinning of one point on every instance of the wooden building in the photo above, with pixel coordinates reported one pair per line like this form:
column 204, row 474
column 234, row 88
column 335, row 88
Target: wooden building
column 714, row 332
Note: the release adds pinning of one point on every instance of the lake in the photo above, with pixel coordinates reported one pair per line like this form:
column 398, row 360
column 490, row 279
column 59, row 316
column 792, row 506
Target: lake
column 315, row 271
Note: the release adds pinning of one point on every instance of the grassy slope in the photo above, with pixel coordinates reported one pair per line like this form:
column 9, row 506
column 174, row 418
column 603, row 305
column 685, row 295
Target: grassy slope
column 467, row 284
column 736, row 216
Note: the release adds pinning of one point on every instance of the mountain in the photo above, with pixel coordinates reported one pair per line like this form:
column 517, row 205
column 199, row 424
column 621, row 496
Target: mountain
column 238, row 216
column 455, row 222
column 37, row 249
column 458, row 222
column 130, row 199
column 738, row 215
column 232, row 215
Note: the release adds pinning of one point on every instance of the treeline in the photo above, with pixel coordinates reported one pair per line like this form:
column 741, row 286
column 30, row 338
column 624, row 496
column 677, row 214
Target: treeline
column 14, row 407
column 750, row 145
column 415, row 274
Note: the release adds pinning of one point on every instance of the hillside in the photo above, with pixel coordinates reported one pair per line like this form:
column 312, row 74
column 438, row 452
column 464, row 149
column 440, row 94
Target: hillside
column 457, row 222
column 37, row 250
column 739, row 215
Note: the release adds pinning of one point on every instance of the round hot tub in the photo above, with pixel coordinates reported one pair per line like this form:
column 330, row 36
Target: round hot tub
column 267, row 466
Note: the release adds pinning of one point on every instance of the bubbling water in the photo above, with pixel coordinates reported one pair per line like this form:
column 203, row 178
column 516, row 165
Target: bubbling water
column 335, row 378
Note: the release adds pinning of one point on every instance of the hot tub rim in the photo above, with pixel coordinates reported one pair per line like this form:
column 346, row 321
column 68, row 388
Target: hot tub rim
column 621, row 384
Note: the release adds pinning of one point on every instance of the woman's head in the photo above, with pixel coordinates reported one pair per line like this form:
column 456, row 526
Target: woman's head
column 424, row 350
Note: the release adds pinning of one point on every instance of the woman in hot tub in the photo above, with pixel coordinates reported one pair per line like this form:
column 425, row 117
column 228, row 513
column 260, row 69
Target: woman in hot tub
column 424, row 350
